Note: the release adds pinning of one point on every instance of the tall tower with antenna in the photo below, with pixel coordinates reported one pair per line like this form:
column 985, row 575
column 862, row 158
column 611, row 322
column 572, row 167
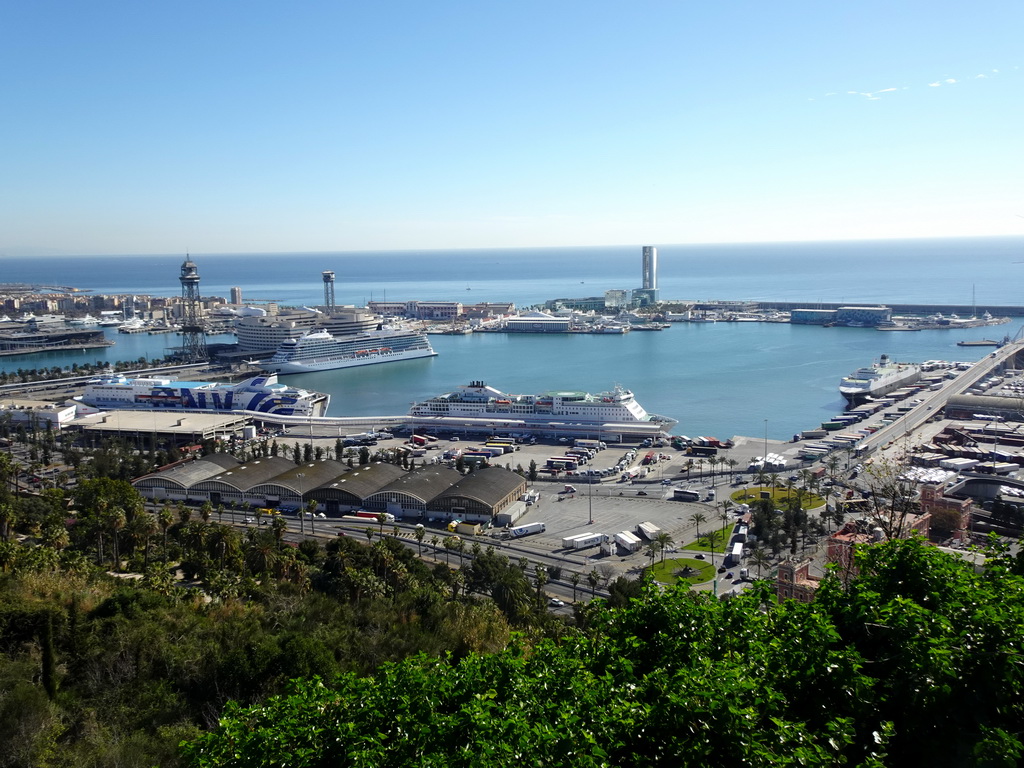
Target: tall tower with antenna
column 193, row 334
column 328, row 276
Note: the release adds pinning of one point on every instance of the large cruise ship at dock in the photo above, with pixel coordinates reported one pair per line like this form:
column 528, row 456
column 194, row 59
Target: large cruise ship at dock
column 262, row 394
column 264, row 334
column 877, row 380
column 320, row 351
column 478, row 401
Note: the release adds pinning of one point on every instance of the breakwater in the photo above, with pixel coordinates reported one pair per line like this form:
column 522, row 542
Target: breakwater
column 963, row 310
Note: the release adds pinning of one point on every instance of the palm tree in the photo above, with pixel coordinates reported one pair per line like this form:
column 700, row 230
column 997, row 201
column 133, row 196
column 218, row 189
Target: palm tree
column 652, row 551
column 382, row 518
column 418, row 535
column 760, row 558
column 165, row 517
column 449, row 545
column 594, row 579
column 56, row 536
column 206, row 511
column 541, row 574
column 697, row 518
column 664, row 540
column 711, row 538
column 7, row 518
column 117, row 522
column 574, row 579
column 279, row 526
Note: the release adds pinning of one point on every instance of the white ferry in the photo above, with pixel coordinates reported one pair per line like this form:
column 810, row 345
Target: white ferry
column 878, row 379
column 262, row 394
column 477, row 400
column 320, row 351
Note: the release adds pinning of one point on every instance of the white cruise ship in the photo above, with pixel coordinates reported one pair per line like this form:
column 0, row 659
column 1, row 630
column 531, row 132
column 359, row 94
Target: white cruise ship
column 262, row 394
column 320, row 351
column 479, row 401
column 259, row 334
column 877, row 380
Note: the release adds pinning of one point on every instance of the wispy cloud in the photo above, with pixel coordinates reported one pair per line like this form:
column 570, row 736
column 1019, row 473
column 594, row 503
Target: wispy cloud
column 877, row 95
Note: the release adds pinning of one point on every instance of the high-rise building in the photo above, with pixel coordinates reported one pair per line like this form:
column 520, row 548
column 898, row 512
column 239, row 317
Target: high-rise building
column 650, row 268
column 236, row 295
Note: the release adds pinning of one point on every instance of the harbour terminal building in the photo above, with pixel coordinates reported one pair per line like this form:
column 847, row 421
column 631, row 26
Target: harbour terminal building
column 850, row 316
column 485, row 495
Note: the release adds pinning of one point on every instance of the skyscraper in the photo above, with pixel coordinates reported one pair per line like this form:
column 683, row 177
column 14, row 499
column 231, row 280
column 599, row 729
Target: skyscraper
column 650, row 268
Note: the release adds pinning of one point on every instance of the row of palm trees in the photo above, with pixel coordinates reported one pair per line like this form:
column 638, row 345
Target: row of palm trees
column 713, row 463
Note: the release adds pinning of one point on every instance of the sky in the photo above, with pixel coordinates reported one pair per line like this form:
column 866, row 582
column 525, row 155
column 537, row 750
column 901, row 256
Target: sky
column 223, row 127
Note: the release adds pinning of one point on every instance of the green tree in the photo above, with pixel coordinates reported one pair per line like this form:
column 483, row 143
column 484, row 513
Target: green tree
column 712, row 539
column 664, row 540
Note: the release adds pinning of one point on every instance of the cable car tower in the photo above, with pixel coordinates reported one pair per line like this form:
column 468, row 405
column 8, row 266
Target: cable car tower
column 193, row 334
column 328, row 276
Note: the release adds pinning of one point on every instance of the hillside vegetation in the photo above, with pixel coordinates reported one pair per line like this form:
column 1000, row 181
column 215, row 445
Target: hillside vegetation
column 918, row 663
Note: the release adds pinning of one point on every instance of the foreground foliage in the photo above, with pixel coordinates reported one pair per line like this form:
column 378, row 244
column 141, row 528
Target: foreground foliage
column 917, row 664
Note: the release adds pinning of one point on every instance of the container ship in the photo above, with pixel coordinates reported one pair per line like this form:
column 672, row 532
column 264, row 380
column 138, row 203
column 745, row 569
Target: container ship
column 477, row 400
column 262, row 394
column 878, row 379
column 321, row 351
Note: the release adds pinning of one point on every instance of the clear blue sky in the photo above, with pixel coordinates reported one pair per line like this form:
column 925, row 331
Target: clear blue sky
column 160, row 127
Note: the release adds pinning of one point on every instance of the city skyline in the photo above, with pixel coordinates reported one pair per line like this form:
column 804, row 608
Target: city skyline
column 195, row 127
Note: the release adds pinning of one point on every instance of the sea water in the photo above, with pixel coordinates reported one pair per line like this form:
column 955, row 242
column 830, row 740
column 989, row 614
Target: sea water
column 720, row 379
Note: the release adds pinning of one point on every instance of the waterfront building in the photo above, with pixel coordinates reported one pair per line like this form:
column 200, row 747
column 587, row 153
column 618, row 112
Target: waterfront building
column 486, row 309
column 420, row 310
column 236, row 295
column 812, row 316
column 537, row 322
column 867, row 316
column 617, row 299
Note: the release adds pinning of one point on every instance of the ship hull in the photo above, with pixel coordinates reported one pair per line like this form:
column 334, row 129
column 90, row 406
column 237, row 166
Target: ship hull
column 858, row 396
column 312, row 365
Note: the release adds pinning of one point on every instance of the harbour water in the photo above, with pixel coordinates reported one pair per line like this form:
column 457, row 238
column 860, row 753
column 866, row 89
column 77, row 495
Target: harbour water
column 719, row 379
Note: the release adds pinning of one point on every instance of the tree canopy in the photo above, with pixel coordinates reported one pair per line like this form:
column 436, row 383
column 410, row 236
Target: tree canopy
column 916, row 663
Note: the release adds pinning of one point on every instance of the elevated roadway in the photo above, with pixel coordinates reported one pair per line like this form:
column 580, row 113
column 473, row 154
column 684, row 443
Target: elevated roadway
column 933, row 402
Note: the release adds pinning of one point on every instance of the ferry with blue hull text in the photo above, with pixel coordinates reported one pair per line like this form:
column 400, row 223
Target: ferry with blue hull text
column 320, row 351
column 261, row 394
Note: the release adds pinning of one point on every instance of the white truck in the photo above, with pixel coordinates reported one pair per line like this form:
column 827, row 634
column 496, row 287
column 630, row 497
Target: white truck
column 628, row 541
column 648, row 530
column 583, row 540
column 526, row 530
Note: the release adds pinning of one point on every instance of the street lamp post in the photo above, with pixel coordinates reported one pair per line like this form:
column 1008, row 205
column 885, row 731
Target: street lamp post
column 590, row 498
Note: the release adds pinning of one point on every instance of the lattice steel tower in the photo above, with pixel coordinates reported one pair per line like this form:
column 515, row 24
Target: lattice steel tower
column 193, row 334
column 328, row 291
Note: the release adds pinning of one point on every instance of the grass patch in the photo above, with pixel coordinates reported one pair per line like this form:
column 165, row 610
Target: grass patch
column 779, row 496
column 701, row 545
column 682, row 570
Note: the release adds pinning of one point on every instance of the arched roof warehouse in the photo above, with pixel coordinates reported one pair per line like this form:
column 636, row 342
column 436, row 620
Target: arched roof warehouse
column 175, row 482
column 481, row 494
column 414, row 490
